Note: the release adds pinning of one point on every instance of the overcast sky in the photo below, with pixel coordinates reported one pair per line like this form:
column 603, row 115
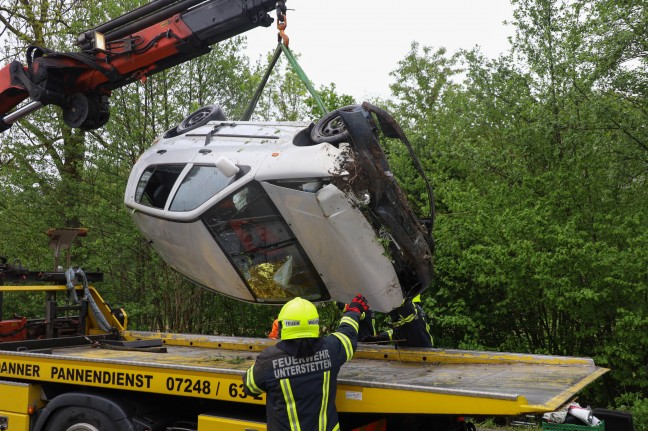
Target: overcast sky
column 356, row 43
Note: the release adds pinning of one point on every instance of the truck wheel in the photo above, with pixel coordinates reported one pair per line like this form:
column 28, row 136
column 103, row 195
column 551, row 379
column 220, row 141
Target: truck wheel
column 79, row 419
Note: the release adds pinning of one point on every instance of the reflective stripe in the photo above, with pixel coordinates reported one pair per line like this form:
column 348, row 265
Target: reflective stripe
column 346, row 343
column 427, row 328
column 350, row 321
column 291, row 408
column 325, row 396
column 404, row 320
column 336, row 427
column 249, row 381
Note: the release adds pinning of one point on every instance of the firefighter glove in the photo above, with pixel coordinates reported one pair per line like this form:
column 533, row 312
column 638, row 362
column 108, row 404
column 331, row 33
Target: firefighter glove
column 358, row 304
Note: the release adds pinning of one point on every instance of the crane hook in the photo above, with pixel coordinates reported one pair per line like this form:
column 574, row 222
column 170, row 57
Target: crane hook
column 282, row 23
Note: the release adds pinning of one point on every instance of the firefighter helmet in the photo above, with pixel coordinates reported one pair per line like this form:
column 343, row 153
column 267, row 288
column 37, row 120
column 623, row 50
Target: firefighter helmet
column 299, row 319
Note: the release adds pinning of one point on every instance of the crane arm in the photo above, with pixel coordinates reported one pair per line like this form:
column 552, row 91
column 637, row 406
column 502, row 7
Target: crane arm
column 132, row 47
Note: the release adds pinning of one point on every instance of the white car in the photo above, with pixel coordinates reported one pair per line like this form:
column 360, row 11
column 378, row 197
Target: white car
column 266, row 211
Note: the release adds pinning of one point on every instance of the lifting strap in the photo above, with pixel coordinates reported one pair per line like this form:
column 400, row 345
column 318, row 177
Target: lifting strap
column 281, row 47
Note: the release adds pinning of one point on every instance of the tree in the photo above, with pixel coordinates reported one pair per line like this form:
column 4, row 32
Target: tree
column 284, row 93
column 330, row 98
column 539, row 172
column 423, row 83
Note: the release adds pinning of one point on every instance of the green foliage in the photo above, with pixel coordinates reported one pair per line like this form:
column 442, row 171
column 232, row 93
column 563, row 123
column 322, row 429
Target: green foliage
column 284, row 95
column 329, row 316
column 331, row 99
column 637, row 405
column 23, row 304
column 538, row 160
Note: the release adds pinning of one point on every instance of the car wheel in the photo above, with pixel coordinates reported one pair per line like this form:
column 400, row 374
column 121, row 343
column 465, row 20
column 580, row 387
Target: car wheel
column 331, row 128
column 200, row 118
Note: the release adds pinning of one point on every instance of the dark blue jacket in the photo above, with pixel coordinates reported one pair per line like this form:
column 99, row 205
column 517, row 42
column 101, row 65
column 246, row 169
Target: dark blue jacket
column 300, row 378
column 409, row 326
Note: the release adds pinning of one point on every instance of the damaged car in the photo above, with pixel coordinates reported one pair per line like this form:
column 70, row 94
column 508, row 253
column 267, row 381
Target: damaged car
column 267, row 211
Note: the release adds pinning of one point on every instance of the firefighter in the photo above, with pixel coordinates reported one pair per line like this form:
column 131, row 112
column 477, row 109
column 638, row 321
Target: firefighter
column 299, row 373
column 409, row 326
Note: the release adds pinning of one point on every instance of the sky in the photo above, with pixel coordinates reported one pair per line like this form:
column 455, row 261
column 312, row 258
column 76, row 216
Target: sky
column 357, row 43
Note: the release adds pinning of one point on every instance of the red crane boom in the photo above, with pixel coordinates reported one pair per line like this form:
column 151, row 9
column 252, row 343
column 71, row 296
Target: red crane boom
column 136, row 45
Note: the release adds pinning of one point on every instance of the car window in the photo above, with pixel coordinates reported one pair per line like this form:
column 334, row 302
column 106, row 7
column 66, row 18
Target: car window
column 155, row 185
column 268, row 256
column 200, row 184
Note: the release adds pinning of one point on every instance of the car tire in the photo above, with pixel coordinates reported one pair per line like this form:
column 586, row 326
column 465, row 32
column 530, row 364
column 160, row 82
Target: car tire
column 331, row 128
column 200, row 118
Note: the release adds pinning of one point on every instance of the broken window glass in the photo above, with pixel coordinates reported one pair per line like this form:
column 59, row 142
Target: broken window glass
column 155, row 185
column 266, row 253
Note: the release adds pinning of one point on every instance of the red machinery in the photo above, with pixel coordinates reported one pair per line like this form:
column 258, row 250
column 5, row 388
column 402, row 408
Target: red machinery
column 131, row 47
column 14, row 329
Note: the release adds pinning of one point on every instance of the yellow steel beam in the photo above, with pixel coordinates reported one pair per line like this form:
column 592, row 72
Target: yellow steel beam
column 39, row 288
column 381, row 353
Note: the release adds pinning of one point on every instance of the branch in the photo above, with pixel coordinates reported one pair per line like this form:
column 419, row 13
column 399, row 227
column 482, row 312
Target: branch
column 11, row 28
column 45, row 142
column 12, row 13
column 26, row 165
column 99, row 139
column 633, row 138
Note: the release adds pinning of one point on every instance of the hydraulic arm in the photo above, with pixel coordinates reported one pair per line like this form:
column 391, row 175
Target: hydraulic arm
column 136, row 45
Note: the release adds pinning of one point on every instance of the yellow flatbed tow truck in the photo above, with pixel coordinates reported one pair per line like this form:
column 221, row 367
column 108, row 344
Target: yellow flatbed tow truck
column 53, row 378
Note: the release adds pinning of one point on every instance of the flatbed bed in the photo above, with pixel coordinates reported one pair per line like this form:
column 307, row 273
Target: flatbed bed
column 426, row 381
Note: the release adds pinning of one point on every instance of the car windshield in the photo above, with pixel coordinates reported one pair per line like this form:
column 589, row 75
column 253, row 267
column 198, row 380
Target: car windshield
column 259, row 242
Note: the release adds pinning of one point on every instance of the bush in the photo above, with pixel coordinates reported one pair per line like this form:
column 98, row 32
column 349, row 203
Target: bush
column 637, row 405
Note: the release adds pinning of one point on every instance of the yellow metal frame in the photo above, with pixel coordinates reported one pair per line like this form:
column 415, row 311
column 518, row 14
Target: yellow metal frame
column 102, row 369
column 19, row 402
column 24, row 399
column 16, row 421
column 386, row 353
column 208, row 422
column 93, row 327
